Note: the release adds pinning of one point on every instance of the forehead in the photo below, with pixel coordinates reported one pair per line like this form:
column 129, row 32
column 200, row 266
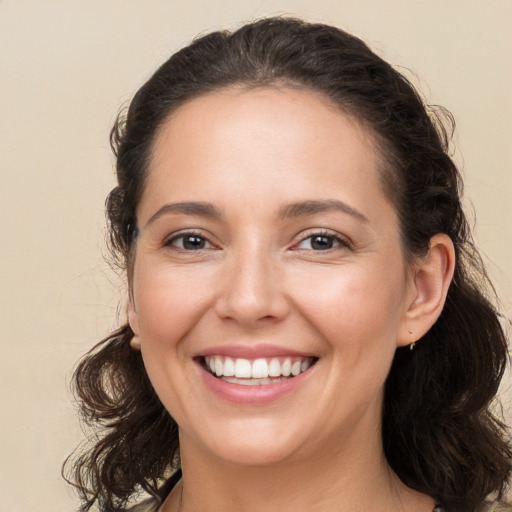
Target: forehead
column 261, row 143
column 293, row 110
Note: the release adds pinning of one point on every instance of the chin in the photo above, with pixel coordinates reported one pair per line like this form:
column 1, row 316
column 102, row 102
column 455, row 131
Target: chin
column 252, row 445
column 250, row 454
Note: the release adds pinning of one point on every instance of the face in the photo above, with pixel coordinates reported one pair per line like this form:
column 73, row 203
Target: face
column 269, row 289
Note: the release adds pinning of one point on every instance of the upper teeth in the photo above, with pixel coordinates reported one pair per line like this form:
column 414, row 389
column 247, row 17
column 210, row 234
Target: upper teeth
column 257, row 368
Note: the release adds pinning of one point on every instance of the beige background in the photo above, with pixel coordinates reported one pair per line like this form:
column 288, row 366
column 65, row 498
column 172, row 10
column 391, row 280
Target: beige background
column 65, row 68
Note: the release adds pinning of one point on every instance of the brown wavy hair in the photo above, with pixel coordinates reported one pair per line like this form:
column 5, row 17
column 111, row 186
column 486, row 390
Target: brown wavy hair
column 440, row 434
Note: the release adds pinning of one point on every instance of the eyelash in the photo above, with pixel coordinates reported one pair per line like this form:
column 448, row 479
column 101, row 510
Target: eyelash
column 341, row 242
column 188, row 234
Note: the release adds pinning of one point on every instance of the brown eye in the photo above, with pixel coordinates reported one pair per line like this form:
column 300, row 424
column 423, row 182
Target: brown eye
column 189, row 242
column 321, row 242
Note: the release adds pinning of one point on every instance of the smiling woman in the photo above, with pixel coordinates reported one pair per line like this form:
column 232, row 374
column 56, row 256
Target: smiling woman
column 291, row 227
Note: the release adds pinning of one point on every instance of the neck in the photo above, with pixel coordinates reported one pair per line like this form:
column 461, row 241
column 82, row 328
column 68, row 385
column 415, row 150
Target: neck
column 344, row 480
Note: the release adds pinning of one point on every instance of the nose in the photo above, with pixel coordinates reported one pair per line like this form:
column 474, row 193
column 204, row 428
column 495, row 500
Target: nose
column 252, row 290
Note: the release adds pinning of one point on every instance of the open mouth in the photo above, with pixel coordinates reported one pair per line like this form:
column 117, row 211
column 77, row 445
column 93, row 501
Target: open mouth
column 256, row 372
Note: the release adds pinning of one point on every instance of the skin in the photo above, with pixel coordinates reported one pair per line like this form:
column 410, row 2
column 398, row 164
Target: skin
column 258, row 277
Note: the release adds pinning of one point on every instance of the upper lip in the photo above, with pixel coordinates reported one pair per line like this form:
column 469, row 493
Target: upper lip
column 250, row 351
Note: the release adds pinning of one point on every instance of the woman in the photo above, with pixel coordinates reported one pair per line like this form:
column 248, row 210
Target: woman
column 308, row 325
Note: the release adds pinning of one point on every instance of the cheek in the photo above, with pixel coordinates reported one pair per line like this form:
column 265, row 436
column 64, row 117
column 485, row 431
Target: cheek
column 169, row 303
column 354, row 307
column 169, row 306
column 356, row 315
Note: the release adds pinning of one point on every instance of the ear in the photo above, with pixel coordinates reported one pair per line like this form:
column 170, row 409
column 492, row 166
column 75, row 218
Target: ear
column 429, row 282
column 133, row 321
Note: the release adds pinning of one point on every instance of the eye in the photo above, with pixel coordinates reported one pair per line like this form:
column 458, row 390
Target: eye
column 321, row 242
column 189, row 242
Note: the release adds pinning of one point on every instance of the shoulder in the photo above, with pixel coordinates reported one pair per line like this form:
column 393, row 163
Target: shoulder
column 497, row 507
column 153, row 503
column 149, row 505
column 487, row 507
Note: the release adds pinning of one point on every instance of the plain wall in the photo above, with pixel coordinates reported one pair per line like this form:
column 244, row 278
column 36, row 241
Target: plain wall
column 65, row 69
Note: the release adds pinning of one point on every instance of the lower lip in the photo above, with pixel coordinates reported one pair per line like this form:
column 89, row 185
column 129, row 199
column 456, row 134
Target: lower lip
column 259, row 394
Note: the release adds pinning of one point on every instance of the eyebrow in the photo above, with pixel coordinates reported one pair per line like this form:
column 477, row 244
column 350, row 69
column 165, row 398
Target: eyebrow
column 186, row 208
column 292, row 210
column 311, row 207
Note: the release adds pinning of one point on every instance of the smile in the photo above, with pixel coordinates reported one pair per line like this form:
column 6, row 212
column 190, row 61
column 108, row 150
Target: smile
column 256, row 372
